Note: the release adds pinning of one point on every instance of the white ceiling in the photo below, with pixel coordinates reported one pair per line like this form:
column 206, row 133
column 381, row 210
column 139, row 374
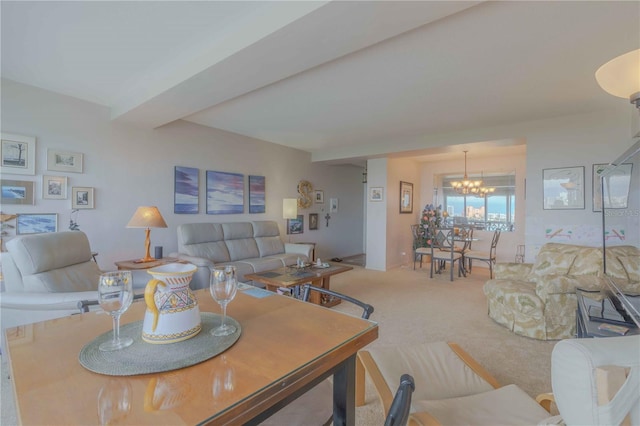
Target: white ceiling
column 340, row 77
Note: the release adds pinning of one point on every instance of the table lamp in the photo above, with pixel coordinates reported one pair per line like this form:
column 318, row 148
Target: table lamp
column 147, row 217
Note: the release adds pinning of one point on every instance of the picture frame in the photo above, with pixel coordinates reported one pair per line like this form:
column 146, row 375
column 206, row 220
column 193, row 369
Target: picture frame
column 186, row 190
column 313, row 221
column 17, row 192
column 319, row 197
column 64, row 161
column 617, row 187
column 36, row 223
column 295, row 226
column 54, row 187
column 376, row 193
column 563, row 188
column 406, row 197
column 225, row 193
column 257, row 194
column 18, row 154
column 82, row 197
column 333, row 205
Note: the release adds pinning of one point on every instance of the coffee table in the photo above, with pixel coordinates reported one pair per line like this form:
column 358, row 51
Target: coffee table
column 290, row 277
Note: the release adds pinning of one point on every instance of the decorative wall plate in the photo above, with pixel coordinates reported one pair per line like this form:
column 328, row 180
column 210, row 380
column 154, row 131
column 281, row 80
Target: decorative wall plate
column 305, row 189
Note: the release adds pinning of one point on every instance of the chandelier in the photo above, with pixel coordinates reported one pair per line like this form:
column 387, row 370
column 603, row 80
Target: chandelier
column 466, row 186
column 482, row 191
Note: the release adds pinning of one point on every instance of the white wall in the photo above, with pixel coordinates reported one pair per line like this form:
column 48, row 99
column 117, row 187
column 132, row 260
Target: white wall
column 130, row 167
column 399, row 236
column 376, row 234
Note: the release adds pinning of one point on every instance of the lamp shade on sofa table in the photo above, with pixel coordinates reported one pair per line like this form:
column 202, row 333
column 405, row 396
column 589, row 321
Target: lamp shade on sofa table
column 147, row 217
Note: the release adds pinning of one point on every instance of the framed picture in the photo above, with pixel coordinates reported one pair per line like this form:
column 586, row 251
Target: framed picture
column 563, row 188
column 313, row 221
column 376, row 193
column 295, row 226
column 17, row 192
column 616, row 186
column 319, row 197
column 186, row 189
column 37, row 223
column 257, row 203
column 82, row 197
column 54, row 187
column 333, row 205
column 18, row 154
column 64, row 161
column 225, row 193
column 406, row 197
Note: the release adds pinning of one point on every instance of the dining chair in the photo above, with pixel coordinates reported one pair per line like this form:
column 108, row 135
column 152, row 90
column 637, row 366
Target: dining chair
column 485, row 256
column 419, row 244
column 463, row 238
column 401, row 405
column 443, row 250
column 315, row 407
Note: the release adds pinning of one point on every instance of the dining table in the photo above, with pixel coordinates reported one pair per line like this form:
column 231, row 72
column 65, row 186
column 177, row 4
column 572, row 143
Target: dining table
column 285, row 347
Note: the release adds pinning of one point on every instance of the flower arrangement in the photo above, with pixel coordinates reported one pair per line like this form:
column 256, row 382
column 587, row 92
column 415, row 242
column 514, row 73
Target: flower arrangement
column 432, row 218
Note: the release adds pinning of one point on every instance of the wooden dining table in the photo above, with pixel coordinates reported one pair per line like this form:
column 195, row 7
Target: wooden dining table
column 286, row 347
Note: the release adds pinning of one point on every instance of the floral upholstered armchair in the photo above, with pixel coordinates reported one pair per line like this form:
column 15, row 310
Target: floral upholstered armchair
column 539, row 300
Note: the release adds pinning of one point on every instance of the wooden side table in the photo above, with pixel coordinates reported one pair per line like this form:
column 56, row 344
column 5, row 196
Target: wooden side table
column 134, row 265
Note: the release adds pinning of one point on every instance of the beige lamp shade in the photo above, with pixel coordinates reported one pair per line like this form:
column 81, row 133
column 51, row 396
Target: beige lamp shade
column 289, row 208
column 621, row 76
column 147, row 217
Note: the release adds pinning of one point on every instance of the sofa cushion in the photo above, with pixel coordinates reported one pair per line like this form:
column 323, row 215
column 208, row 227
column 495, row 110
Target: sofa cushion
column 56, row 262
column 216, row 251
column 261, row 264
column 265, row 228
column 237, row 230
column 587, row 262
column 553, row 259
column 631, row 265
column 268, row 246
column 245, row 248
column 196, row 233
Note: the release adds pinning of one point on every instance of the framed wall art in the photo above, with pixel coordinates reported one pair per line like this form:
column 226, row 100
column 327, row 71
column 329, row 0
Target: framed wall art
column 225, row 193
column 616, row 187
column 18, row 154
column 376, row 193
column 313, row 221
column 186, row 189
column 54, row 187
column 563, row 188
column 319, row 197
column 295, row 226
column 406, row 197
column 257, row 203
column 82, row 197
column 333, row 205
column 17, row 192
column 36, row 223
column 64, row 161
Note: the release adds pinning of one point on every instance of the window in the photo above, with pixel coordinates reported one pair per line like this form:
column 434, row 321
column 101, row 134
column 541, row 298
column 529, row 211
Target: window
column 494, row 211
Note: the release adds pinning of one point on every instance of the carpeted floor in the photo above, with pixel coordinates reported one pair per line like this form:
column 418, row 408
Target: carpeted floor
column 411, row 308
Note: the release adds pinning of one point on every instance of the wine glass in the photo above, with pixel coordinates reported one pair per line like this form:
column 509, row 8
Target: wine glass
column 114, row 402
column 223, row 287
column 115, row 294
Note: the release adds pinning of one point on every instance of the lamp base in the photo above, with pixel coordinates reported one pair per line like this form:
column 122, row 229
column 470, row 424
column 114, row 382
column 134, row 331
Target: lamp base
column 145, row 260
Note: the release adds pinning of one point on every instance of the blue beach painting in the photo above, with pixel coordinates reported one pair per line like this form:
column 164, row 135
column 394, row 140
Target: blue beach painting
column 186, row 190
column 37, row 223
column 256, row 194
column 225, row 193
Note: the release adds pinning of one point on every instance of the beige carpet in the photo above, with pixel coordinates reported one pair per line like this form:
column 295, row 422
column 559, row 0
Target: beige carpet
column 411, row 308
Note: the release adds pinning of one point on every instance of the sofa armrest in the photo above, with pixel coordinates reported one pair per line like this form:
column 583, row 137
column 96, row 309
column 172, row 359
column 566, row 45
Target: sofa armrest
column 302, row 249
column 46, row 301
column 512, row 270
column 564, row 284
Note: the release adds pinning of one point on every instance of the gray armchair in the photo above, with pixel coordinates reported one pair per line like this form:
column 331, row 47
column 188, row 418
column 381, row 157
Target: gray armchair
column 45, row 276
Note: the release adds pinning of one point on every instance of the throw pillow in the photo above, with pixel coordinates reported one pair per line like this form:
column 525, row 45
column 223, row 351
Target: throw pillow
column 631, row 265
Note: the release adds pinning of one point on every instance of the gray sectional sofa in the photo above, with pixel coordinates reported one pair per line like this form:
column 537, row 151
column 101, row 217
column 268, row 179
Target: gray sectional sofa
column 249, row 246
